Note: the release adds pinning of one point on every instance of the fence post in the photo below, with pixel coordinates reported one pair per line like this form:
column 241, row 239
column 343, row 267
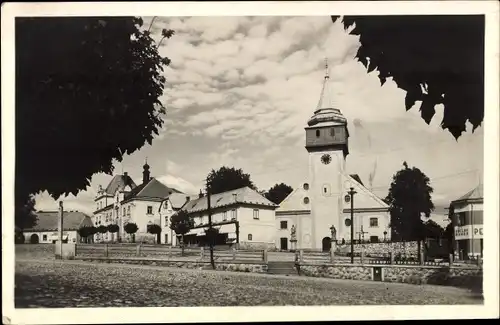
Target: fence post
column 264, row 255
column 201, row 252
column 451, row 259
column 391, row 257
column 421, row 257
column 301, row 254
column 106, row 250
column 138, row 250
column 362, row 256
column 76, row 249
column 234, row 254
column 170, row 251
column 332, row 255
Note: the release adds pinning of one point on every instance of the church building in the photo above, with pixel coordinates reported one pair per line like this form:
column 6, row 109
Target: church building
column 321, row 206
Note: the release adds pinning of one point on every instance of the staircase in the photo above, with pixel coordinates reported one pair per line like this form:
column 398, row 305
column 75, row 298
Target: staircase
column 284, row 268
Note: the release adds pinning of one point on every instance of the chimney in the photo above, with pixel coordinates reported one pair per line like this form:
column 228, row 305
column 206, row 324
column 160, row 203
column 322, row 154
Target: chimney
column 234, row 197
column 125, row 174
column 200, row 195
column 187, row 198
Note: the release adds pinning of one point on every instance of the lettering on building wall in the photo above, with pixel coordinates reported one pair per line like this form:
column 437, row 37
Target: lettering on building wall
column 469, row 232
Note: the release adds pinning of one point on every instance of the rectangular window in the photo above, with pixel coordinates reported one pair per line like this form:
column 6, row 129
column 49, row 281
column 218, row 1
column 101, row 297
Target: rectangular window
column 256, row 213
column 44, row 237
column 150, row 209
column 128, row 210
column 332, row 132
column 166, row 221
column 233, row 214
column 224, row 216
column 283, row 225
column 373, row 222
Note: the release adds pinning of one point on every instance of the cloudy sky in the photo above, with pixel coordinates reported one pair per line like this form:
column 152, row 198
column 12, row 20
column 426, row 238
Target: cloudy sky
column 240, row 91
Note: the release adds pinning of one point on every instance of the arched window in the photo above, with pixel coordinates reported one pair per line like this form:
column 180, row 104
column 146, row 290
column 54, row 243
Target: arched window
column 249, row 236
column 306, row 186
column 306, row 200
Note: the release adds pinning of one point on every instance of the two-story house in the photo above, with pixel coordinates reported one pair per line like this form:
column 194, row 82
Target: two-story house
column 242, row 216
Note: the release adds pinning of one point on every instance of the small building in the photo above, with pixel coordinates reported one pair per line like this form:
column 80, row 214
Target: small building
column 169, row 206
column 242, row 216
column 46, row 229
column 467, row 219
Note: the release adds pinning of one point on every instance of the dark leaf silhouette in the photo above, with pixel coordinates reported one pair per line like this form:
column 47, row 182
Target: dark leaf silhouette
column 444, row 54
column 88, row 91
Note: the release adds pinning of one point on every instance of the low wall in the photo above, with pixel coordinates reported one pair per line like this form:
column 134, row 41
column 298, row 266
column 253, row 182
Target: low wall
column 222, row 266
column 408, row 248
column 468, row 277
column 245, row 245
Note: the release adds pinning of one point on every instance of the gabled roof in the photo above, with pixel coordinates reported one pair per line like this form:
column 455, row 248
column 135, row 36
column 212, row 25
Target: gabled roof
column 177, row 200
column 475, row 194
column 356, row 181
column 152, row 189
column 118, row 183
column 244, row 195
column 72, row 220
column 357, row 178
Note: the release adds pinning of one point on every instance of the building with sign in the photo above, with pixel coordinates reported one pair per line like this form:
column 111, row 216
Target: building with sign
column 46, row 229
column 467, row 219
column 321, row 201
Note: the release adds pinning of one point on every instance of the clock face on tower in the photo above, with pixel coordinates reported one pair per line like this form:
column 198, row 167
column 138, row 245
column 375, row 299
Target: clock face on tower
column 326, row 159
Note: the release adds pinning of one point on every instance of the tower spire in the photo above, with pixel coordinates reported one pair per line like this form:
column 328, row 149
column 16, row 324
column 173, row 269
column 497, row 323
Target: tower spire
column 325, row 100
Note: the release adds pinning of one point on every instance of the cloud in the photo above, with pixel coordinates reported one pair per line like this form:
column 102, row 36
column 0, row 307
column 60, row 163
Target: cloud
column 178, row 183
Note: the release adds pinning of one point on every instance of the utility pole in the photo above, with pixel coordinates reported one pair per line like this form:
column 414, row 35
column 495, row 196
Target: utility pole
column 351, row 193
column 210, row 229
column 60, row 230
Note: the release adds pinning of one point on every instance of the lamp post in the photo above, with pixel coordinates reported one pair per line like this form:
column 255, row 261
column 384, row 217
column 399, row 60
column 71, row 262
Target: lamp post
column 351, row 194
column 385, row 235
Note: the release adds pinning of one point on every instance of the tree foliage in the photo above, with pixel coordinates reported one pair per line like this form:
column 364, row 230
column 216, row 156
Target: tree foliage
column 88, row 91
column 181, row 222
column 278, row 193
column 113, row 228
column 87, row 231
column 131, row 228
column 432, row 230
column 25, row 216
column 102, row 229
column 227, row 179
column 154, row 229
column 434, row 59
column 409, row 198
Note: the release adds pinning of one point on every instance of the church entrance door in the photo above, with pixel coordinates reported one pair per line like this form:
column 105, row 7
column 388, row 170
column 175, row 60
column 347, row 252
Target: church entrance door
column 326, row 244
column 284, row 243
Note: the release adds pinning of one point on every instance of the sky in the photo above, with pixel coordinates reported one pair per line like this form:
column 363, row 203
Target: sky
column 239, row 93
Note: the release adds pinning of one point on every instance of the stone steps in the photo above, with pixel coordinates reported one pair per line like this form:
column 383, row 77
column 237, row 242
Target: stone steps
column 285, row 268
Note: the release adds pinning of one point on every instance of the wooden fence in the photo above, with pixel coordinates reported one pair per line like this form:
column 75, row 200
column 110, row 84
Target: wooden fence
column 315, row 257
column 168, row 252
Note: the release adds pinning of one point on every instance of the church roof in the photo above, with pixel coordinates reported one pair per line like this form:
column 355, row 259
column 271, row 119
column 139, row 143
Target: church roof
column 118, row 183
column 244, row 195
column 72, row 220
column 151, row 189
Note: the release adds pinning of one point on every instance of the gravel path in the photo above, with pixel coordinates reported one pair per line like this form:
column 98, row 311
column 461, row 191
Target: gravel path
column 45, row 283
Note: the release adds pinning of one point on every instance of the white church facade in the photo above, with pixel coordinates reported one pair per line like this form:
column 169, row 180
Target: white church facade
column 322, row 201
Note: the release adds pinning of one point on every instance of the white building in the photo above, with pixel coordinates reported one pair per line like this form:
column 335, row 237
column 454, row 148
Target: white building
column 46, row 229
column 125, row 202
column 242, row 216
column 321, row 201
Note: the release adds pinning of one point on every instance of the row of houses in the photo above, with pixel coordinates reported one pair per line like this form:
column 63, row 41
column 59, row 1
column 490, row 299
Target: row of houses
column 319, row 210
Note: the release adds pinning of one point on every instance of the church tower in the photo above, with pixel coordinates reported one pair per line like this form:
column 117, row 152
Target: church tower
column 327, row 145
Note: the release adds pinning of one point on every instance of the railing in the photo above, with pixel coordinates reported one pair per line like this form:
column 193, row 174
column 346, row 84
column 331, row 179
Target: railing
column 168, row 252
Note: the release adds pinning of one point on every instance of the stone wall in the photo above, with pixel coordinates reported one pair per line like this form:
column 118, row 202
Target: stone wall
column 246, row 245
column 468, row 277
column 201, row 265
column 408, row 248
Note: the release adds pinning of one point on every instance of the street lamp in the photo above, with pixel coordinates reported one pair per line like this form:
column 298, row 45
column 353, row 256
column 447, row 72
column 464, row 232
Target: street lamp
column 385, row 235
column 351, row 194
